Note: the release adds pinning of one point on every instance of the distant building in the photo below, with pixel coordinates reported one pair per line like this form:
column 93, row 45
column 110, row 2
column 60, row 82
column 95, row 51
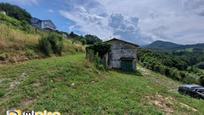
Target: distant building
column 43, row 24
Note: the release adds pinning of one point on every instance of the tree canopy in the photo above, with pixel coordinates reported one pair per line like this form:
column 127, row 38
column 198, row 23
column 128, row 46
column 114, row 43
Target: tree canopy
column 15, row 12
column 92, row 39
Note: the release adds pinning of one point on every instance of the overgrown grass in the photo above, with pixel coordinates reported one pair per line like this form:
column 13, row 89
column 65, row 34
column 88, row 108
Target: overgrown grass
column 16, row 39
column 71, row 85
column 18, row 45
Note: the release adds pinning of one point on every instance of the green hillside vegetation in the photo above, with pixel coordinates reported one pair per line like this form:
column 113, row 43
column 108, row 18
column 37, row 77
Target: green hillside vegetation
column 179, row 66
column 16, row 12
column 72, row 85
column 20, row 42
column 53, row 74
column 163, row 46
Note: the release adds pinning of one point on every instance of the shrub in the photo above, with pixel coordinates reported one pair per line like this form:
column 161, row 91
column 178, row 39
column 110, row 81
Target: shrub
column 2, row 93
column 56, row 42
column 162, row 70
column 156, row 68
column 174, row 74
column 190, row 78
column 183, row 75
column 98, row 63
column 45, row 46
column 167, row 72
column 201, row 80
column 97, row 53
column 51, row 43
column 30, row 53
column 3, row 57
column 100, row 48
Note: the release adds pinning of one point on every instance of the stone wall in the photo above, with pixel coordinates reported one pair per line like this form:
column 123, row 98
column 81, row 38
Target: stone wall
column 121, row 50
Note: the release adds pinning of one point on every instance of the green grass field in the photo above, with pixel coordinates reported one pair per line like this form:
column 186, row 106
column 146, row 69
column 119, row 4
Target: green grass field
column 71, row 85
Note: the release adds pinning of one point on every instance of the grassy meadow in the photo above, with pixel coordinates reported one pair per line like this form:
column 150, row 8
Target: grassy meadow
column 71, row 85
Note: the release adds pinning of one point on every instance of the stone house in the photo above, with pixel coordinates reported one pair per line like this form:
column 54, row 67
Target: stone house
column 123, row 55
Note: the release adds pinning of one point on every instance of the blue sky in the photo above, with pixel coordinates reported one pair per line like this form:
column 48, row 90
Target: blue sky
column 138, row 21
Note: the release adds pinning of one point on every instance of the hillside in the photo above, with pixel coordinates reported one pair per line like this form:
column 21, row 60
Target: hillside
column 20, row 42
column 72, row 85
column 169, row 46
column 43, row 69
column 162, row 45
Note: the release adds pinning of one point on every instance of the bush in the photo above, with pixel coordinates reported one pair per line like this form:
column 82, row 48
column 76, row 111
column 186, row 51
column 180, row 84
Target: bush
column 56, row 42
column 167, row 71
column 52, row 43
column 2, row 93
column 162, row 70
column 45, row 46
column 201, row 80
column 183, row 75
column 156, row 68
column 97, row 53
column 190, row 78
column 3, row 57
column 99, row 49
column 30, row 53
column 174, row 74
column 98, row 63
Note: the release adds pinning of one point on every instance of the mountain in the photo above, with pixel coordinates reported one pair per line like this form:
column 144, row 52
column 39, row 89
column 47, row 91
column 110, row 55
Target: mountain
column 163, row 45
column 169, row 46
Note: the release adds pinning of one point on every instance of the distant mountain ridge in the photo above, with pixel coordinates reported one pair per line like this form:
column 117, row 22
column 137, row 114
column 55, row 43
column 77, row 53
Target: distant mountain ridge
column 169, row 46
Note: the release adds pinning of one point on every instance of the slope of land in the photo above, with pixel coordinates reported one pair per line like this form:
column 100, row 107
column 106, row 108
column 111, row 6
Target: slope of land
column 20, row 42
column 70, row 84
column 163, row 45
column 169, row 46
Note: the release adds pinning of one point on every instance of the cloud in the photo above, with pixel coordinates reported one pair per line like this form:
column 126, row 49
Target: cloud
column 195, row 6
column 51, row 11
column 127, row 29
column 96, row 20
column 138, row 21
column 87, row 19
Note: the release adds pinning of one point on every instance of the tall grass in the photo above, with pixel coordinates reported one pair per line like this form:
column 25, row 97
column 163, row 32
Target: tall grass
column 20, row 41
column 16, row 39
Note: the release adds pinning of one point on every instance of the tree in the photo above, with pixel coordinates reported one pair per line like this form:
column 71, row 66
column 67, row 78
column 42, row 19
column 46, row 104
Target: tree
column 73, row 35
column 16, row 12
column 91, row 39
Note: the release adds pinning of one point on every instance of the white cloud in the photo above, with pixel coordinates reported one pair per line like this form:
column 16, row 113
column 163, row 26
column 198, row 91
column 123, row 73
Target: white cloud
column 51, row 11
column 180, row 21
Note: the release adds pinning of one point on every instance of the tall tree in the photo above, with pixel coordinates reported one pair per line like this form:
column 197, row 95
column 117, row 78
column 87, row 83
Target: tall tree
column 91, row 39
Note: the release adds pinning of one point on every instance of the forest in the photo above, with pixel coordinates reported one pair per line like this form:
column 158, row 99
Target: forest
column 183, row 66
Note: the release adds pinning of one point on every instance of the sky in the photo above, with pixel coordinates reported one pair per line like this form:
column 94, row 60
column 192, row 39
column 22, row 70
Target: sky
column 137, row 21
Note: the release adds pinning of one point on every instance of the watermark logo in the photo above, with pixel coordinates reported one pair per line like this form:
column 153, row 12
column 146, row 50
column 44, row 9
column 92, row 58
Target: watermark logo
column 19, row 112
column 13, row 112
